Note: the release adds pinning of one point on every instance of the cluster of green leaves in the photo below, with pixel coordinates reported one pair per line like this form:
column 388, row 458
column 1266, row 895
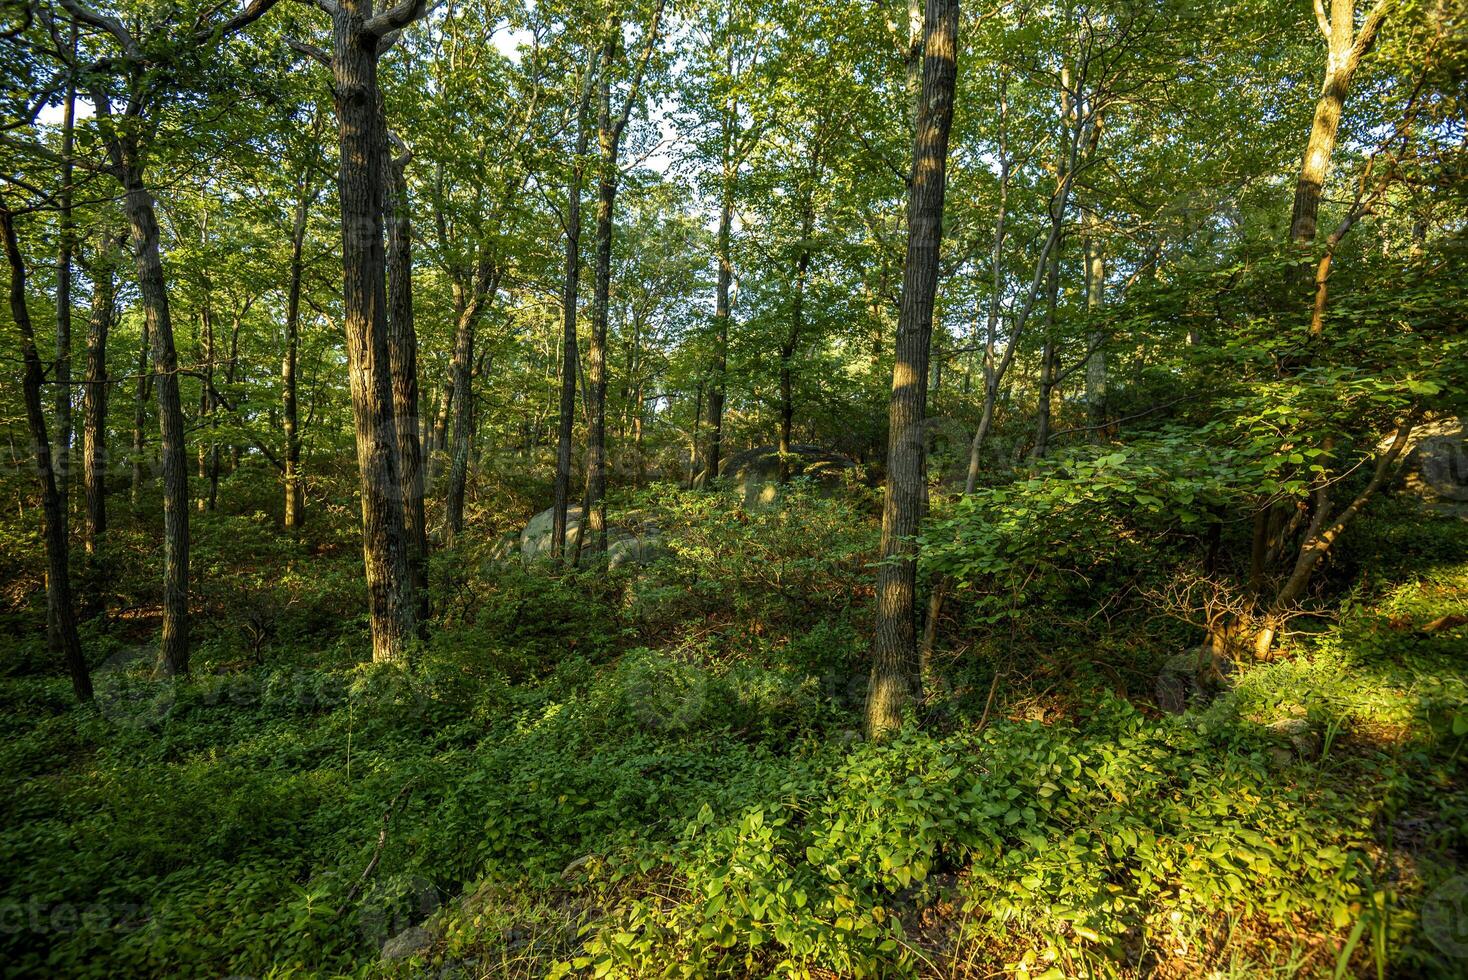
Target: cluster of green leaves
column 1081, row 838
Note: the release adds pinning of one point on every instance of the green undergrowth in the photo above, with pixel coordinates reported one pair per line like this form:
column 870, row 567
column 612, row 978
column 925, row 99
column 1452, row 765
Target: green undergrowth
column 657, row 773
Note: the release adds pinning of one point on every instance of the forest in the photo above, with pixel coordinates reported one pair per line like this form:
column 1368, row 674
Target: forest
column 812, row 489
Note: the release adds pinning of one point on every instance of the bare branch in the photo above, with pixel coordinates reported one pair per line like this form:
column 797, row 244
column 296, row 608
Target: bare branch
column 111, row 25
column 253, row 11
column 399, row 17
column 309, row 50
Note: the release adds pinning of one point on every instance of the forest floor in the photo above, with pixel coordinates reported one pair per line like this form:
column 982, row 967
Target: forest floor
column 657, row 772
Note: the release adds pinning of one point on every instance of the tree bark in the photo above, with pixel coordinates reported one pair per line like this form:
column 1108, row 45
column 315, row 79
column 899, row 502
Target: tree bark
column 295, row 496
column 593, row 536
column 570, row 349
column 58, row 572
column 391, row 604
column 459, row 436
column 64, row 428
column 403, row 362
column 153, row 292
column 608, row 139
column 1345, row 48
column 94, row 401
column 721, row 332
column 895, row 677
column 1095, row 260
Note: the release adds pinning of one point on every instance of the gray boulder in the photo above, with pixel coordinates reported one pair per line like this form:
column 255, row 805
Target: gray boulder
column 1437, row 466
column 625, row 546
column 757, row 471
column 412, row 941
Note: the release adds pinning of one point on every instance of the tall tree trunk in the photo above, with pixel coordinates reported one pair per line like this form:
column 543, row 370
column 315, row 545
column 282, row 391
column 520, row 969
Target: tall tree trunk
column 63, row 301
column 462, row 381
column 391, row 604
column 94, row 401
column 142, row 391
column 1096, row 340
column 1345, row 48
column 895, row 676
column 208, row 451
column 153, row 292
column 1048, row 359
column 721, row 331
column 438, row 437
column 608, row 140
column 570, row 351
column 403, row 357
column 593, row 535
column 58, row 572
column 295, row 496
column 792, row 340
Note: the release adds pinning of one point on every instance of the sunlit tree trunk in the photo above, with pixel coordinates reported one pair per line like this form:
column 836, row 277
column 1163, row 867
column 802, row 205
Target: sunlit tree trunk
column 58, row 573
column 895, row 678
column 1345, row 47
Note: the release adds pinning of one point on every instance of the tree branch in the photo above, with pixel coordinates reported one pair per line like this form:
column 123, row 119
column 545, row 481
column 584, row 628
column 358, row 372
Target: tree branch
column 653, row 29
column 397, row 18
column 1321, row 20
column 252, row 11
column 1369, row 27
column 111, row 25
column 309, row 50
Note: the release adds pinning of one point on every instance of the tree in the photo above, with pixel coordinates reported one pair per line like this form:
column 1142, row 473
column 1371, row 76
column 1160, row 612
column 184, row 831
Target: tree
column 570, row 292
column 359, row 38
column 895, row 678
column 58, row 571
column 1345, row 47
column 609, row 132
column 94, row 397
column 134, row 66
